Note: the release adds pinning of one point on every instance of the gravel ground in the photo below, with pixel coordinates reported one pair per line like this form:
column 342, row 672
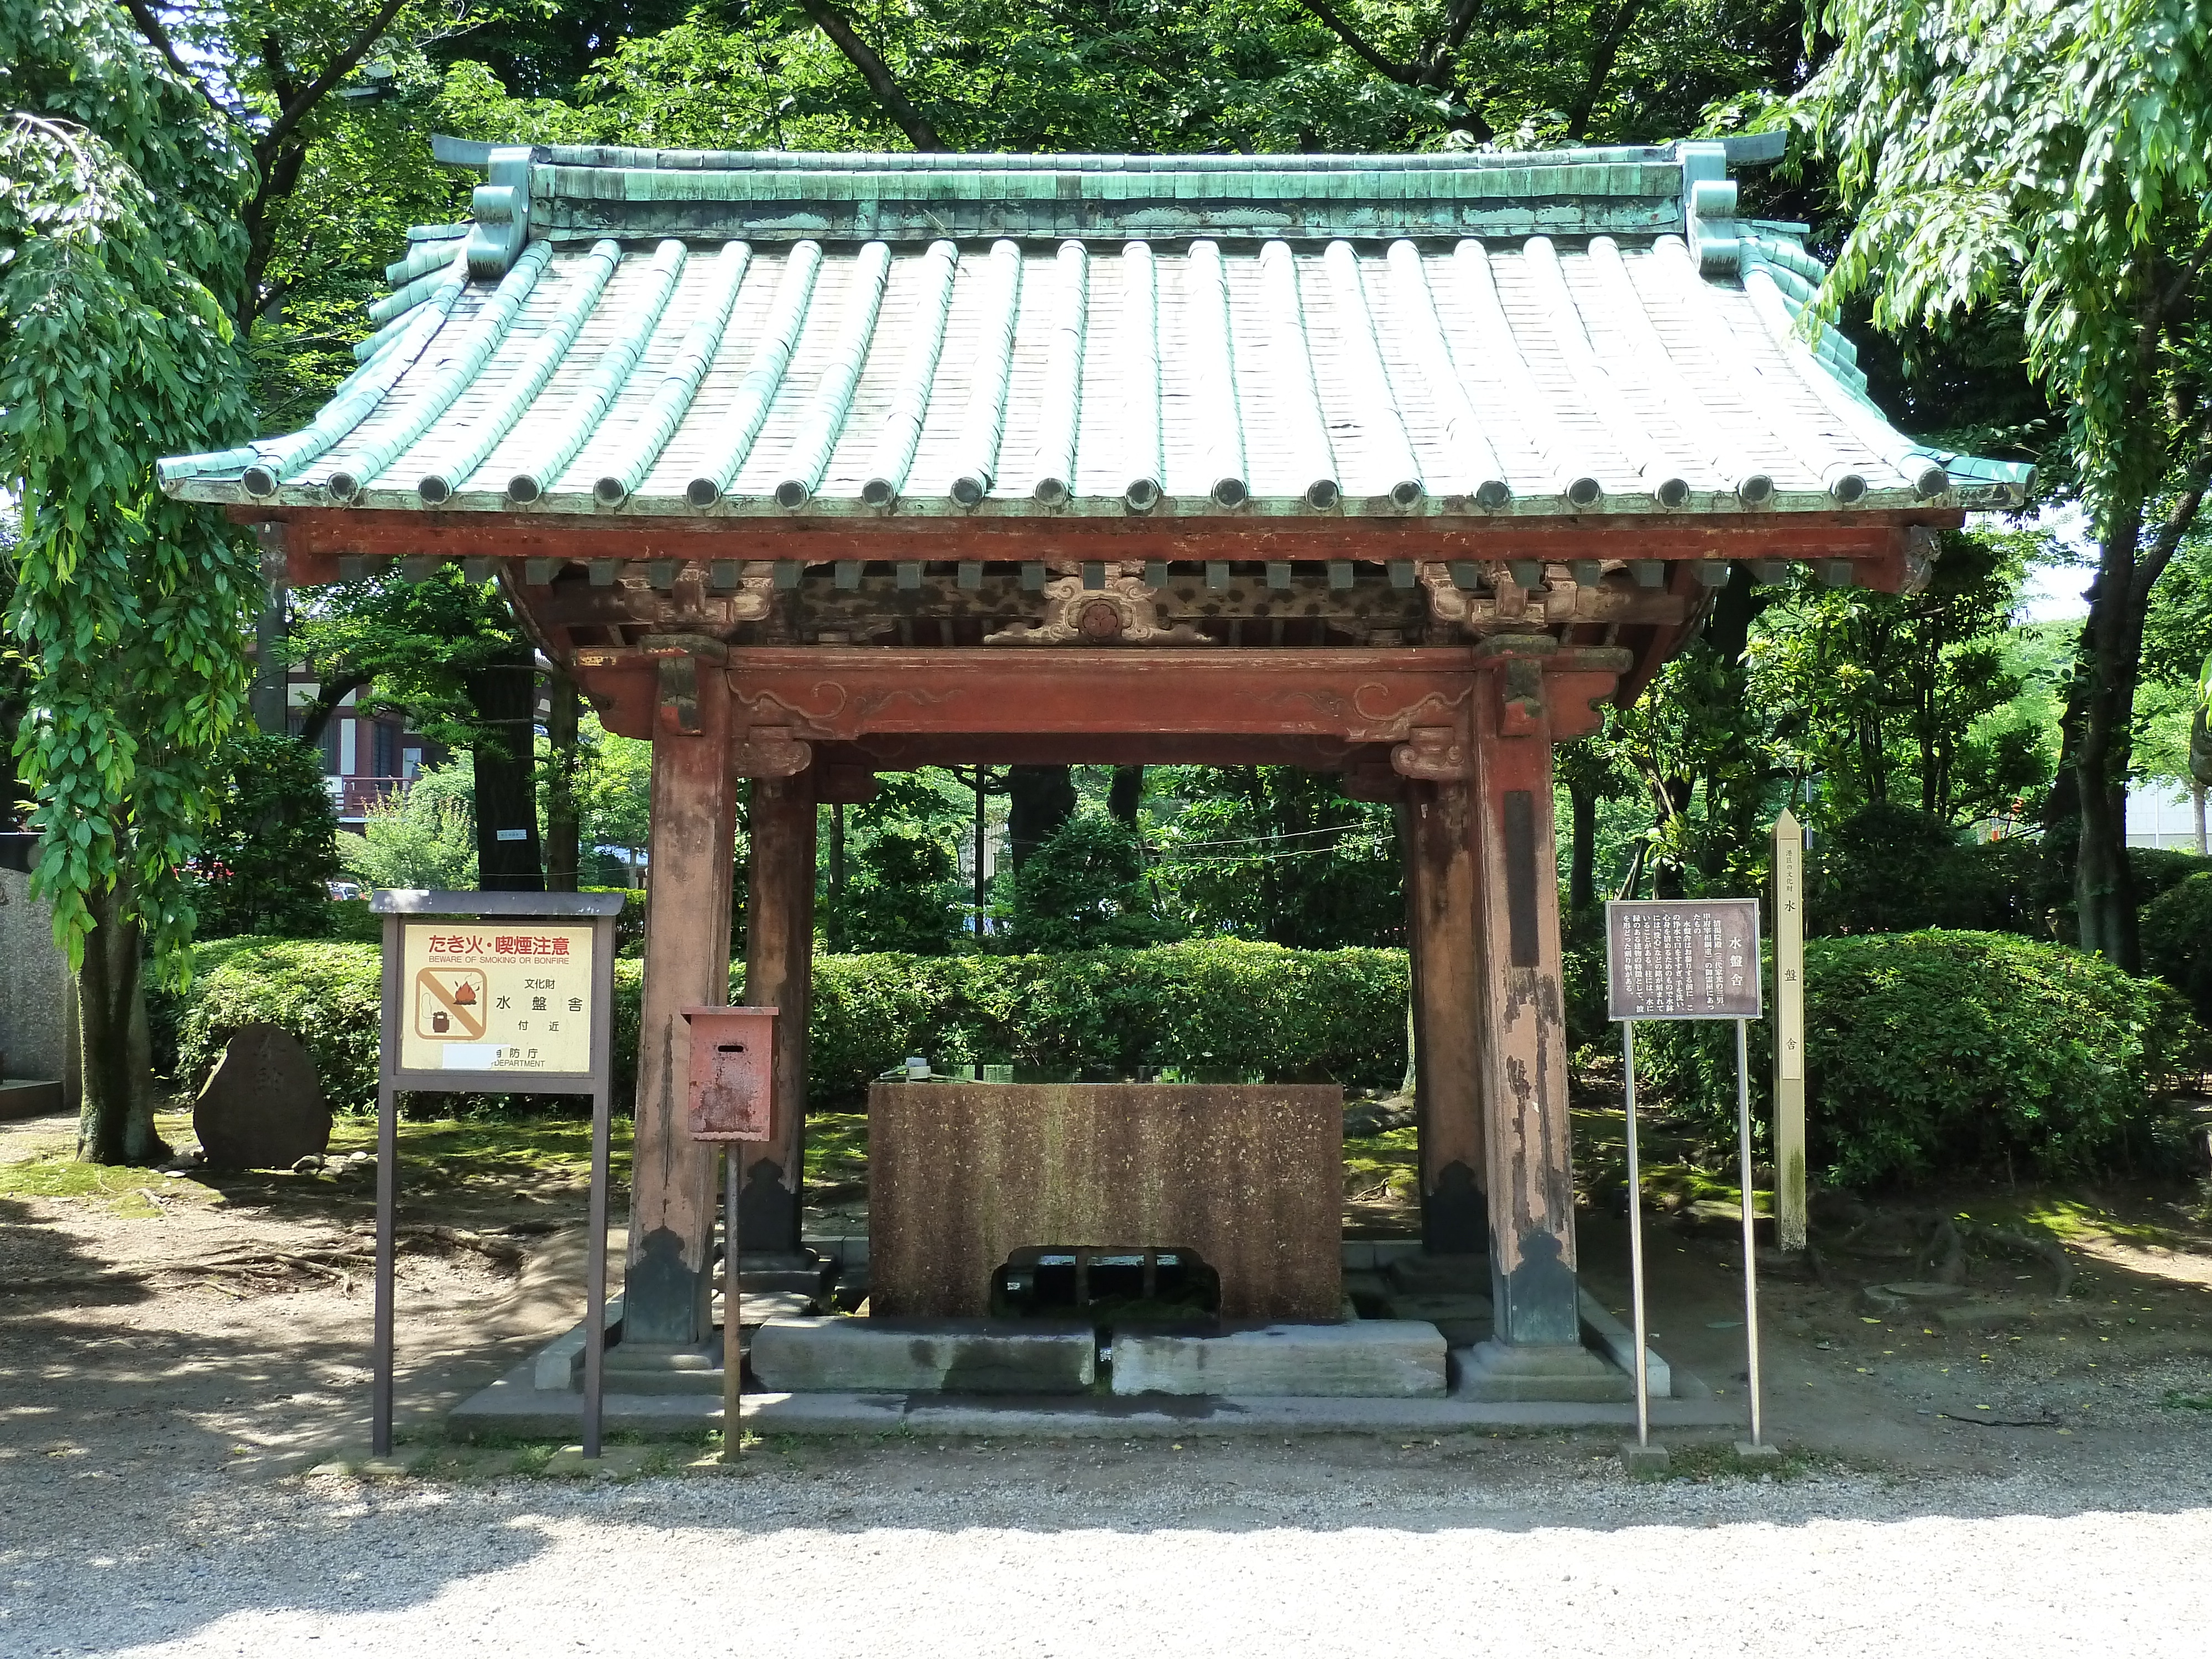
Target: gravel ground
column 1337, row 1547
column 2042, row 1488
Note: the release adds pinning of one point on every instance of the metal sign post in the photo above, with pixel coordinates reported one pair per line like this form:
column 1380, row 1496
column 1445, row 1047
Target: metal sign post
column 494, row 993
column 731, row 1101
column 1684, row 959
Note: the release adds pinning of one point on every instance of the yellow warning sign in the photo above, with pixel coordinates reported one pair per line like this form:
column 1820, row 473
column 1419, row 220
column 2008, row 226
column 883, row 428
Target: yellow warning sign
column 496, row 997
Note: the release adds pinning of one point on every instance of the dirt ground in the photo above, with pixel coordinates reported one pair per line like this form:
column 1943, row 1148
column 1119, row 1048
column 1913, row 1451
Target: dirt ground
column 223, row 1320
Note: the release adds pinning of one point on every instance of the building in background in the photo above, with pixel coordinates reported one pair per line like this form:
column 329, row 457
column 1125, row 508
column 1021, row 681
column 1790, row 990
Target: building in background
column 366, row 758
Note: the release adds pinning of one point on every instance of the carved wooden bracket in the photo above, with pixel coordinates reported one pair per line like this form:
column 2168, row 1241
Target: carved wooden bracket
column 1435, row 754
column 769, row 751
column 1124, row 611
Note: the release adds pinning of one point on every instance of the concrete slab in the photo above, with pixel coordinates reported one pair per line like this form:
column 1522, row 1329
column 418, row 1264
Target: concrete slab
column 1466, row 1275
column 512, row 1408
column 1493, row 1371
column 925, row 1355
column 560, row 1363
column 1463, row 1317
column 1367, row 1358
column 1618, row 1343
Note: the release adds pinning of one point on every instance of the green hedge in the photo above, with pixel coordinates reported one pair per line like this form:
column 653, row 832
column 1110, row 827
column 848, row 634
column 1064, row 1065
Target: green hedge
column 1951, row 1052
column 2177, row 939
column 1220, row 1007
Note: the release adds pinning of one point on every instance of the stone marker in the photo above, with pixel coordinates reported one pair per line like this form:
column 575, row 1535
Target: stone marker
column 1365, row 1358
column 262, row 1107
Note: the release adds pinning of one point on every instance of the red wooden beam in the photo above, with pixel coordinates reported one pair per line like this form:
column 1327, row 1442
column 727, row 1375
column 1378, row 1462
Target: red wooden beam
column 316, row 537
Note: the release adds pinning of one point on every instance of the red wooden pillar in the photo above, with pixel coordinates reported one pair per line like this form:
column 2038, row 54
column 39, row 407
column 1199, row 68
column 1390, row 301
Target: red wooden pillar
column 687, row 963
column 1441, row 902
column 1531, row 1174
column 778, row 974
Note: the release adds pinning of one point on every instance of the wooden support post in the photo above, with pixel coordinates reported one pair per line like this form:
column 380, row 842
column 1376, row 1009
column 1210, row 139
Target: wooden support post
column 1447, row 1016
column 778, row 974
column 1531, row 1175
column 687, row 964
column 1788, row 918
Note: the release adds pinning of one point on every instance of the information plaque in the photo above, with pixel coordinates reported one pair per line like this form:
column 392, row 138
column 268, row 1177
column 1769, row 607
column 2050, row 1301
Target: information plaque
column 497, row 996
column 1682, row 959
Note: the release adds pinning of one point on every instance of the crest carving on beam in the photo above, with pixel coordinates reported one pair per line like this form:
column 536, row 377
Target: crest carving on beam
column 1124, row 611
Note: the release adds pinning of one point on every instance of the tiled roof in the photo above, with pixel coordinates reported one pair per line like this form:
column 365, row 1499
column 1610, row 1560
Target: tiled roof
column 626, row 332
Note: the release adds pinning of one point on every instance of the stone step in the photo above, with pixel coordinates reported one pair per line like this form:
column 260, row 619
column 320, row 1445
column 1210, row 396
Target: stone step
column 1467, row 1274
column 1462, row 1316
column 923, row 1356
column 1369, row 1358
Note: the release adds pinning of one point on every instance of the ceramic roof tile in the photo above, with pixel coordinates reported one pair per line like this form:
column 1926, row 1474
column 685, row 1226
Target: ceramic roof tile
column 1313, row 323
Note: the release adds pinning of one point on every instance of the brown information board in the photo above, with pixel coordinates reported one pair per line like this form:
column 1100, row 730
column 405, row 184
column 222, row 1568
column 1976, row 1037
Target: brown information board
column 1682, row 959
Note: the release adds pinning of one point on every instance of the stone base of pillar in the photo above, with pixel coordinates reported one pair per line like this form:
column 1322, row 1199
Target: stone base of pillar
column 1495, row 1371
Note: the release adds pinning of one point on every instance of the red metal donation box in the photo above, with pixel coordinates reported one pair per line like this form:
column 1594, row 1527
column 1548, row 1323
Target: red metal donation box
column 732, row 1088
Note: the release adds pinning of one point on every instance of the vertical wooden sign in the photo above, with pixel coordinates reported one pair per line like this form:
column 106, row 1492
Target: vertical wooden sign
column 1789, row 1032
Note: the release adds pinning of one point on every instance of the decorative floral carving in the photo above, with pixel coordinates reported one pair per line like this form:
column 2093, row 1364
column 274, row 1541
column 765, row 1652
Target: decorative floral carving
column 1124, row 611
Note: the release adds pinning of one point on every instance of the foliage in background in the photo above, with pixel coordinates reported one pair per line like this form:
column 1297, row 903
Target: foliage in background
column 1221, row 1009
column 423, row 836
column 1085, row 889
column 900, row 886
column 1123, row 75
column 119, row 242
column 2177, row 939
column 1277, row 854
column 1955, row 1053
column 1889, row 697
column 265, row 863
column 2060, row 150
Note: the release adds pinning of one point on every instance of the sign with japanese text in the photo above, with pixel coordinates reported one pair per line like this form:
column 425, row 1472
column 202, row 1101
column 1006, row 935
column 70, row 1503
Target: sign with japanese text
column 495, row 996
column 1682, row 959
column 1790, row 951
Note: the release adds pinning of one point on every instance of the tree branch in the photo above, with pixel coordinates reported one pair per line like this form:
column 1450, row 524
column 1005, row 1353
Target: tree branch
column 876, row 73
column 1601, row 66
column 1404, row 74
column 149, row 25
column 299, row 108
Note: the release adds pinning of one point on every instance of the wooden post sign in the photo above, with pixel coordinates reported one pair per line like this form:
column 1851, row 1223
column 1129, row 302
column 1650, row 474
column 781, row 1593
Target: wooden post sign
column 1788, row 1033
column 494, row 993
column 1685, row 959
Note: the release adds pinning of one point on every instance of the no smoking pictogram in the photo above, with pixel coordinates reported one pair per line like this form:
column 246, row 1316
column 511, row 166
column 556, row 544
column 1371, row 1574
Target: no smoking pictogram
column 449, row 1004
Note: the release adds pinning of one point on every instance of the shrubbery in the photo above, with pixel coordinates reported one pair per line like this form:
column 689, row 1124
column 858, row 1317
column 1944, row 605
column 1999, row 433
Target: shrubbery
column 2177, row 939
column 1221, row 1008
column 1954, row 1052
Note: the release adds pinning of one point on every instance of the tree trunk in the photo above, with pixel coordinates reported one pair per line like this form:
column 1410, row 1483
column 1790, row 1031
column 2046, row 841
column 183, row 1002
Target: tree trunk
column 272, row 658
column 835, row 929
column 563, row 822
column 2196, row 802
column 1582, row 855
column 1040, row 798
column 115, row 1125
column 504, row 693
column 1126, row 793
column 982, row 846
column 2111, row 657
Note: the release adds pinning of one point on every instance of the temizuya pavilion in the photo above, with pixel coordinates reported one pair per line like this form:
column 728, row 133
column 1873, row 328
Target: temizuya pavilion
column 1391, row 467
